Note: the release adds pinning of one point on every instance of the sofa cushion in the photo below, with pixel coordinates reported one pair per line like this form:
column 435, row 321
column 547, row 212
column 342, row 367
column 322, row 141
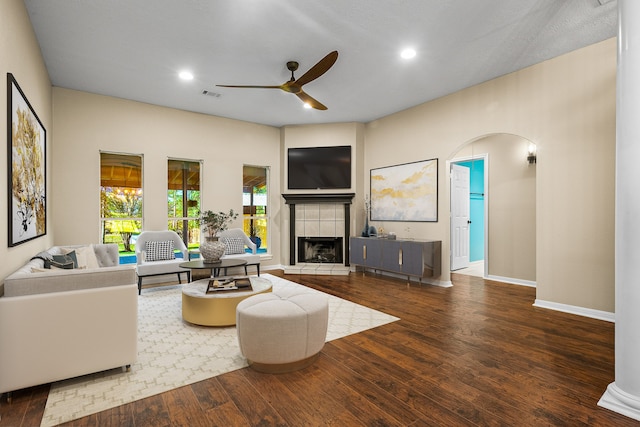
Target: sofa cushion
column 53, row 267
column 158, row 250
column 233, row 245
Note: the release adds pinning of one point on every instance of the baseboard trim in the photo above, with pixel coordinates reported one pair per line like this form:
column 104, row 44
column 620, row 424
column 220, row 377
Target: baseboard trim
column 511, row 280
column 580, row 311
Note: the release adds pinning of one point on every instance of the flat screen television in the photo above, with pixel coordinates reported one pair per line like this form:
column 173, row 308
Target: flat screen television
column 319, row 168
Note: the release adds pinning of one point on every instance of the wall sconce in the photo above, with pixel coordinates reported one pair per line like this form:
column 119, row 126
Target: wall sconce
column 531, row 156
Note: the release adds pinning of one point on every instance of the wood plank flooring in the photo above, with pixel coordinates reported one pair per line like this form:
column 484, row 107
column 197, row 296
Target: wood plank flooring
column 475, row 354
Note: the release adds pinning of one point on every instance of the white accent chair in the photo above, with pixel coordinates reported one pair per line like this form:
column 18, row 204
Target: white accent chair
column 252, row 258
column 146, row 268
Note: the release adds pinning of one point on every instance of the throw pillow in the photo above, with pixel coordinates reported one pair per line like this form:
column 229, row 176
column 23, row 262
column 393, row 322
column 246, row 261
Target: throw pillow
column 66, row 261
column 81, row 258
column 233, row 245
column 85, row 255
column 92, row 260
column 158, row 250
column 44, row 256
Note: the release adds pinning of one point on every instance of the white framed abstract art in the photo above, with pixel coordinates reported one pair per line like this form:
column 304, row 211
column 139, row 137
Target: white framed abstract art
column 405, row 192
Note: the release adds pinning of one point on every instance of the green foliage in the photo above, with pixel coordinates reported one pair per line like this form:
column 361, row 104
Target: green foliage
column 214, row 222
column 125, row 203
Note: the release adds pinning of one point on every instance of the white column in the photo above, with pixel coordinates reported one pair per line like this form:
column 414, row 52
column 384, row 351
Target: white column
column 623, row 395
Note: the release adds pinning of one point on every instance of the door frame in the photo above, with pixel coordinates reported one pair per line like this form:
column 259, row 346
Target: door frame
column 485, row 157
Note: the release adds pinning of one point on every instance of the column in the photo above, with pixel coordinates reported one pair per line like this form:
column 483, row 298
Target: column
column 623, row 395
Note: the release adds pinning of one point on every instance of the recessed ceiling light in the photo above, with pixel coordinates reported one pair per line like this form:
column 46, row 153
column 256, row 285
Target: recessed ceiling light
column 185, row 75
column 408, row 53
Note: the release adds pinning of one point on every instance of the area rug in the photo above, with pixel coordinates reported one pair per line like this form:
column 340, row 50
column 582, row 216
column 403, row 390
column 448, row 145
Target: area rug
column 173, row 353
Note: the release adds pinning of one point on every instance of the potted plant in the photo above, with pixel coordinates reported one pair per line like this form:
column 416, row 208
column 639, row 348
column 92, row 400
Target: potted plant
column 213, row 222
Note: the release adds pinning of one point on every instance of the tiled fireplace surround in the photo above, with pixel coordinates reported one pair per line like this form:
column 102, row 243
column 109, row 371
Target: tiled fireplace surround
column 318, row 215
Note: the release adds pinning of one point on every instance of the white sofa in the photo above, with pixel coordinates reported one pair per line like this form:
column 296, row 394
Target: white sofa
column 147, row 266
column 57, row 324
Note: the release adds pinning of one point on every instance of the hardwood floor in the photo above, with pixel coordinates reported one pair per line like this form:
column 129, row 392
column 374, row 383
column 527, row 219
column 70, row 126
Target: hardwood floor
column 475, row 354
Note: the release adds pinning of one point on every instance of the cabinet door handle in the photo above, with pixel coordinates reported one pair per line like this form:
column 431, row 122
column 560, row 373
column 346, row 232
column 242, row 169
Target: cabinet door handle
column 400, row 257
column 364, row 252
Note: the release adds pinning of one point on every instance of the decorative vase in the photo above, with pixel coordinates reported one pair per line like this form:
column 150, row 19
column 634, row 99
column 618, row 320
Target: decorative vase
column 257, row 240
column 211, row 249
column 365, row 230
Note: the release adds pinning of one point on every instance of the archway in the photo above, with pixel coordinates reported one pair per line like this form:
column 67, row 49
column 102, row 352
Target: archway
column 508, row 203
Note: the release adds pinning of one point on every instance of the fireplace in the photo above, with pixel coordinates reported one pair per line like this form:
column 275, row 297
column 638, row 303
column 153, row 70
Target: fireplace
column 319, row 230
column 320, row 249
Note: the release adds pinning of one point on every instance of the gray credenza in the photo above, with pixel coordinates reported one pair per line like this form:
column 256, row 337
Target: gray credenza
column 413, row 258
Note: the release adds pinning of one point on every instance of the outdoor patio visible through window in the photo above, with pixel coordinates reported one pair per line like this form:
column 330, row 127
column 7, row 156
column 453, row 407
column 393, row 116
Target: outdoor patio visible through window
column 120, row 199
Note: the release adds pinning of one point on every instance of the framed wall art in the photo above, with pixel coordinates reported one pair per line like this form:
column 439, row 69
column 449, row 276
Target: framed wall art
column 26, row 157
column 406, row 192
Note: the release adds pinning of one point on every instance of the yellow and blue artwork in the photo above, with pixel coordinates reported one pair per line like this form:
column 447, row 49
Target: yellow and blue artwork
column 406, row 192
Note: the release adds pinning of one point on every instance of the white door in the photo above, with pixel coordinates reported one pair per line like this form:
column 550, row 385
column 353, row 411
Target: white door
column 459, row 217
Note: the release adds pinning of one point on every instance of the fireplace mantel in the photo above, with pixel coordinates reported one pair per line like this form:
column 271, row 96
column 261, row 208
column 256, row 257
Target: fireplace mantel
column 293, row 199
column 298, row 199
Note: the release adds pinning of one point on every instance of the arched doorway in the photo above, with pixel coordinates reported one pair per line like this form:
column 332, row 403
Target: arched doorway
column 506, row 203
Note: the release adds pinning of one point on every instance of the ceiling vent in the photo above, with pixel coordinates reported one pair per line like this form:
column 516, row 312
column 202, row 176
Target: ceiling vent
column 210, row 93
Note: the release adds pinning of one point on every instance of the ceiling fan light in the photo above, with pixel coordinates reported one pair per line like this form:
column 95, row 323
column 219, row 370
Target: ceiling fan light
column 307, row 106
column 408, row 53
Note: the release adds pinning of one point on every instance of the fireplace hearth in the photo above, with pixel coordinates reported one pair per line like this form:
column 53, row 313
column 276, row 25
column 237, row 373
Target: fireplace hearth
column 320, row 250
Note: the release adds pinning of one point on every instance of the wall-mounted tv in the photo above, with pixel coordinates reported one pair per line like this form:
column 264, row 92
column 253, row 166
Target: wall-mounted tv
column 319, row 168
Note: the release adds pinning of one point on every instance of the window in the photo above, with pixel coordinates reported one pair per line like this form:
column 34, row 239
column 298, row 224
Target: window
column 254, row 202
column 120, row 198
column 183, row 200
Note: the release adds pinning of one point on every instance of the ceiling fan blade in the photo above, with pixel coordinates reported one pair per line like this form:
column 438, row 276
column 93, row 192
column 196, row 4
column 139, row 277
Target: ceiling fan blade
column 319, row 69
column 310, row 101
column 252, row 87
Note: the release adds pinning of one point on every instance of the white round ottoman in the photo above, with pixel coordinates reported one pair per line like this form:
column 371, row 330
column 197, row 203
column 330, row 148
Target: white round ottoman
column 282, row 331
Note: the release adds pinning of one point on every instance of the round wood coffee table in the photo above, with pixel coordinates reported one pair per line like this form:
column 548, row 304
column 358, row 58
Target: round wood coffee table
column 218, row 308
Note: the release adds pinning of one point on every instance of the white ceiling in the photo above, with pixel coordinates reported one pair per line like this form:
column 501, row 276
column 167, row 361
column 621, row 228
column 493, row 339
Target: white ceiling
column 134, row 49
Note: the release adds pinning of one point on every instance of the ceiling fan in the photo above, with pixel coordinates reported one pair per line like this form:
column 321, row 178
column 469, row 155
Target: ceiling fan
column 295, row 86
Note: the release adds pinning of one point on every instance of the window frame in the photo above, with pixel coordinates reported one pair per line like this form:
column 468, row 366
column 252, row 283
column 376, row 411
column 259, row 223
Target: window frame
column 186, row 219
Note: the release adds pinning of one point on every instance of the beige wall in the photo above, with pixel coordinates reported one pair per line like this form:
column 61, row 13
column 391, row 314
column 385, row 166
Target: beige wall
column 20, row 55
column 87, row 124
column 567, row 107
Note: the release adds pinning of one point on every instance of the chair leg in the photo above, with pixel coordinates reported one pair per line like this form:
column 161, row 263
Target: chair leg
column 139, row 285
column 258, row 267
column 180, row 278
